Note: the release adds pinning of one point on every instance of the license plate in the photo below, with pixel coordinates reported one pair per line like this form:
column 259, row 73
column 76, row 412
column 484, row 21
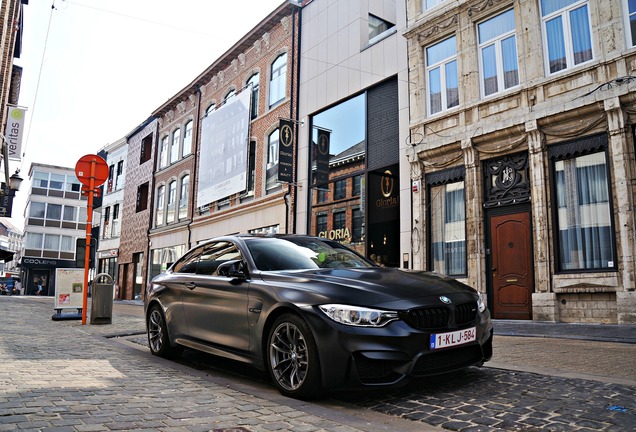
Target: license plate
column 459, row 337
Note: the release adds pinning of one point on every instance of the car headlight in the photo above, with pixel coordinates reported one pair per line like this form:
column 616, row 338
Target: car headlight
column 480, row 302
column 358, row 316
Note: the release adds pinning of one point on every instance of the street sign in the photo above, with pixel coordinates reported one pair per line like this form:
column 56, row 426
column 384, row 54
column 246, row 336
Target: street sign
column 93, row 163
column 92, row 171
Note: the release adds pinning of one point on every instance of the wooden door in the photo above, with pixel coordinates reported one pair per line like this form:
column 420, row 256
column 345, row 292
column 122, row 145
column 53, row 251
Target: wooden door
column 512, row 270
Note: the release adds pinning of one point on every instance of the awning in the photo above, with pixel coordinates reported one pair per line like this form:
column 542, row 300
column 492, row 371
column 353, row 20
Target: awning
column 6, row 255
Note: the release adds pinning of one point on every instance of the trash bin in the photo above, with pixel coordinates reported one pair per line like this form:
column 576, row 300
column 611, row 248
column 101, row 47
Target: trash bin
column 102, row 299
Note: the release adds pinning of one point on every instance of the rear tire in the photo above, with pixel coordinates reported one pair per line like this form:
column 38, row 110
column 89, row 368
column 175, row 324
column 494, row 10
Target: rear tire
column 158, row 339
column 292, row 358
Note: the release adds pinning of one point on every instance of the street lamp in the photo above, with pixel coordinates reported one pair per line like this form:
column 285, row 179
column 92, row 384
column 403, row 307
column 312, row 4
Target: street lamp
column 14, row 185
column 15, row 181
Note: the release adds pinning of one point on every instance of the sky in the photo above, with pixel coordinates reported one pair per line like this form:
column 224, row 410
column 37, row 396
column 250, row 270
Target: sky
column 95, row 69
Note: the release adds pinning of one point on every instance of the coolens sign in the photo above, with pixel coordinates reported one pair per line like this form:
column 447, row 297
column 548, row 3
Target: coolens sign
column 13, row 131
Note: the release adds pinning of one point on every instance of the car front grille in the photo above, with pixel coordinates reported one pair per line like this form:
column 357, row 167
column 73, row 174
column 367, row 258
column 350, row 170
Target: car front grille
column 447, row 360
column 439, row 317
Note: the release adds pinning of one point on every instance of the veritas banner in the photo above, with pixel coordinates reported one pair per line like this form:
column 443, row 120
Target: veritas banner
column 322, row 157
column 286, row 151
column 14, row 130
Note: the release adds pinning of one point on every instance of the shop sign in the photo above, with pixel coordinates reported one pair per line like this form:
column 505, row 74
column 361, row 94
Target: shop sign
column 343, row 234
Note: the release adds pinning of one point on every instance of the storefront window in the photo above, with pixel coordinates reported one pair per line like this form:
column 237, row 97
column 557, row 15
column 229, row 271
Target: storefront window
column 586, row 236
column 338, row 158
column 447, row 219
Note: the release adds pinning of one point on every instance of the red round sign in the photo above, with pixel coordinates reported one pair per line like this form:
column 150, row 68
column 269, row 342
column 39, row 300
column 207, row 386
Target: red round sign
column 91, row 166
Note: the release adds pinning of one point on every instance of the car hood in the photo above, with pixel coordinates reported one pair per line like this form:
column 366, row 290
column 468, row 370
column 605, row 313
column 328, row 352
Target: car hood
column 380, row 287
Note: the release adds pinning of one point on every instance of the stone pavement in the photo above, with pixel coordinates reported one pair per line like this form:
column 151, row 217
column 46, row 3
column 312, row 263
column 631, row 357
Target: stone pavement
column 64, row 376
column 94, row 377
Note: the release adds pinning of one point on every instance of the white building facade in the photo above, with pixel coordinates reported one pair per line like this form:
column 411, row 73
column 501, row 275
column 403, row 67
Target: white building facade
column 55, row 217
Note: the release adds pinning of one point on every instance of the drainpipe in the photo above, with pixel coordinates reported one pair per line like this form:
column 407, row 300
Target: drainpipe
column 195, row 152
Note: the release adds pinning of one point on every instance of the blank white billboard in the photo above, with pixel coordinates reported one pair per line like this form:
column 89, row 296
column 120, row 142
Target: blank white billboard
column 224, row 144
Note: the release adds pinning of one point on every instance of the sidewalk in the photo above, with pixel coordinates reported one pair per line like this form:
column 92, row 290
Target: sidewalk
column 625, row 333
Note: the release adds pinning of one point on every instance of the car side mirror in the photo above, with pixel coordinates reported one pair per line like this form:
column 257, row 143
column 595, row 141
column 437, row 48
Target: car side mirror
column 232, row 268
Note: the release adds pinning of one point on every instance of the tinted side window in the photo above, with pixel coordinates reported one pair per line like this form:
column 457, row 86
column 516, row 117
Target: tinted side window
column 188, row 264
column 216, row 254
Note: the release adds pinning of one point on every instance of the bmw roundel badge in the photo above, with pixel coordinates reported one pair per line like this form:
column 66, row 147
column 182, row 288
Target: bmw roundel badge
column 445, row 300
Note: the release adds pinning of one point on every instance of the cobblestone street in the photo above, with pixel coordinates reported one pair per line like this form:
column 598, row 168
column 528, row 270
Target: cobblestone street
column 66, row 376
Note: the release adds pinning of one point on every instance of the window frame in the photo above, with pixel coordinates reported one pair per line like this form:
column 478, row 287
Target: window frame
column 186, row 145
column 175, row 145
column 630, row 32
column 442, row 64
column 437, row 183
column 163, row 152
column 184, row 193
column 278, row 80
column 254, row 82
column 572, row 151
column 566, row 27
column 171, row 202
column 159, row 207
column 499, row 62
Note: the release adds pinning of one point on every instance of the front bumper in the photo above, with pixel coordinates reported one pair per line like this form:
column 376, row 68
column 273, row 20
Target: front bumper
column 354, row 357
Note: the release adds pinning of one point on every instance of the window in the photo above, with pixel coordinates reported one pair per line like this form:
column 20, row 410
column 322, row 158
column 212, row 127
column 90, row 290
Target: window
column 567, row 33
column 272, row 160
column 36, row 210
column 339, row 220
column 183, row 197
column 278, row 80
column 321, row 225
column 57, row 181
column 67, row 244
column 111, row 176
column 172, row 195
column 340, row 189
column 70, row 213
column 106, row 227
column 119, row 182
column 33, row 241
column 630, row 22
column 251, row 167
column 214, row 255
column 146, row 149
column 73, row 184
column 116, row 226
column 40, row 179
column 498, row 53
column 322, row 195
column 253, row 82
column 447, row 218
column 174, row 147
column 431, row 3
column 586, row 236
column 356, row 231
column 54, row 212
column 209, row 110
column 142, row 197
column 441, row 76
column 357, row 186
column 186, row 148
column 378, row 28
column 161, row 192
column 163, row 152
column 229, row 95
column 51, row 242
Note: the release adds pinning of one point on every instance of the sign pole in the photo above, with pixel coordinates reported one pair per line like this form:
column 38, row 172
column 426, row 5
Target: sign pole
column 89, row 225
column 92, row 171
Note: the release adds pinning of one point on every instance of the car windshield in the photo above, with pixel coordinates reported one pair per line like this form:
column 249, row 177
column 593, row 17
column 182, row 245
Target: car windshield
column 301, row 253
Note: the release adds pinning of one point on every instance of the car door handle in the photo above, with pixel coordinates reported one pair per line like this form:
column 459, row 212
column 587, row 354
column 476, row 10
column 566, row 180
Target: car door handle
column 190, row 285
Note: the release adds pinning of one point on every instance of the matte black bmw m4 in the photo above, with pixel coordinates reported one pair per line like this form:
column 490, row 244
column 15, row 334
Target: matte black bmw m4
column 315, row 314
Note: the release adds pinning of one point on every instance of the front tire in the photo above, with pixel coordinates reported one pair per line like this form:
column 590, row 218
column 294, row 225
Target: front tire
column 158, row 339
column 292, row 358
